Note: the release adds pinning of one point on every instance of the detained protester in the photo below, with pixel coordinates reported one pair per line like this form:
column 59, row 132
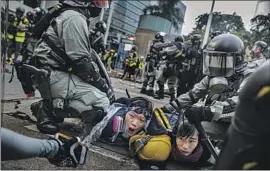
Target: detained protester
column 126, row 118
column 168, row 138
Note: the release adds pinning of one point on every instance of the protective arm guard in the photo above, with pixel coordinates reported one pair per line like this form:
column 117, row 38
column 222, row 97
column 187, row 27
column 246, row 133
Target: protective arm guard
column 185, row 100
column 88, row 70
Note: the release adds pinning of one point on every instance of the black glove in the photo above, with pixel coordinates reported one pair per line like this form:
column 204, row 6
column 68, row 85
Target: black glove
column 198, row 114
column 70, row 152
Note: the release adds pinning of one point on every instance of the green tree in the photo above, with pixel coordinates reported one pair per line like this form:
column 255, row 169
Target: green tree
column 261, row 27
column 227, row 23
column 166, row 9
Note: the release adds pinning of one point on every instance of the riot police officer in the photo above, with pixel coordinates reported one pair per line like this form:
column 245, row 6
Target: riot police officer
column 171, row 68
column 225, row 76
column 78, row 84
column 151, row 63
column 97, row 37
column 191, row 66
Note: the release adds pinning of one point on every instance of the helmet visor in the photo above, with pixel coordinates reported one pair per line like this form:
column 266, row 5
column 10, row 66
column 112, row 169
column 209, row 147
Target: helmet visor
column 101, row 3
column 218, row 63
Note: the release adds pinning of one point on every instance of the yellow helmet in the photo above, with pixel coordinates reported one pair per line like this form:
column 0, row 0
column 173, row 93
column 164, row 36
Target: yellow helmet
column 112, row 50
column 152, row 148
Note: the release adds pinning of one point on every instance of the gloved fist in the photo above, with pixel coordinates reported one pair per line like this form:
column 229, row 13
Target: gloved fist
column 197, row 114
column 70, row 152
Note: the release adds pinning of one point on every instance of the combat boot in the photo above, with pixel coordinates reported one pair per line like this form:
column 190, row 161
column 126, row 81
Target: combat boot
column 45, row 122
column 150, row 93
column 143, row 91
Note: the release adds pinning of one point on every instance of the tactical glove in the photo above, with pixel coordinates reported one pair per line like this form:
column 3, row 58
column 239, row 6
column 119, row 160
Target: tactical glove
column 198, row 114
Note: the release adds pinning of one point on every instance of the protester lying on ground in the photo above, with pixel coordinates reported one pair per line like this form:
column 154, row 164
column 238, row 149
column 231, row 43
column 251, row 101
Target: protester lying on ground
column 168, row 138
column 126, row 117
column 57, row 150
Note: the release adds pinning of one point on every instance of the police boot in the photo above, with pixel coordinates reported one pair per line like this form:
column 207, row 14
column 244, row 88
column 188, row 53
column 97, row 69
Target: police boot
column 150, row 93
column 90, row 119
column 143, row 91
column 45, row 122
column 160, row 92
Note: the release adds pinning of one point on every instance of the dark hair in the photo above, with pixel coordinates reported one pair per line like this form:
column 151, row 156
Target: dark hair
column 185, row 129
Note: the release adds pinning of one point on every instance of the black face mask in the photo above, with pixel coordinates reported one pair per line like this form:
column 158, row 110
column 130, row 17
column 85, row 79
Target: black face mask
column 94, row 12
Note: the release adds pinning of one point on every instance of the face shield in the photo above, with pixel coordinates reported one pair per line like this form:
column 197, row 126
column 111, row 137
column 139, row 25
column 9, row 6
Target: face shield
column 217, row 64
column 100, row 3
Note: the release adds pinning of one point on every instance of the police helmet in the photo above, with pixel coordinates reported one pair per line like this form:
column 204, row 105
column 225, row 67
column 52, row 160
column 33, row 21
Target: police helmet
column 179, row 38
column 20, row 11
column 101, row 26
column 222, row 54
column 11, row 18
column 160, row 36
column 196, row 37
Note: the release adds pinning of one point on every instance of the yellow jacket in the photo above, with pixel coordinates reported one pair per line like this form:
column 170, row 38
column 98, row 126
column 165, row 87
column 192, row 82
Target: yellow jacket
column 20, row 35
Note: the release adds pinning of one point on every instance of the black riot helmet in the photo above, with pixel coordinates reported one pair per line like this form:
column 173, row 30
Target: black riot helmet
column 20, row 12
column 92, row 6
column 179, row 38
column 196, row 40
column 222, row 55
column 178, row 41
column 101, row 26
column 11, row 18
column 160, row 36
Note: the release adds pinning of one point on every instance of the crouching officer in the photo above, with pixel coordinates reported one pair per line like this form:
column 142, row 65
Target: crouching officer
column 77, row 84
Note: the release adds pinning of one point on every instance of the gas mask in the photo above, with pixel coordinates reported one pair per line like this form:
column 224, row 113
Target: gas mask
column 217, row 87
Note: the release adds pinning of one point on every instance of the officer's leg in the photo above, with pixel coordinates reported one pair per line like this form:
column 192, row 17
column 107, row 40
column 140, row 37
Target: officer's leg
column 151, row 84
column 10, row 45
column 161, row 81
column 182, row 86
column 82, row 99
column 18, row 47
column 172, row 80
column 144, row 86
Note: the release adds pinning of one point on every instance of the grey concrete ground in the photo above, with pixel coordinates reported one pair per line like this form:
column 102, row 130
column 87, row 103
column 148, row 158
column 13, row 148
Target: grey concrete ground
column 100, row 156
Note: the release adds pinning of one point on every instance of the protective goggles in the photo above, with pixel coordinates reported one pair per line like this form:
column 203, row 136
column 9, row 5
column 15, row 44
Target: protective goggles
column 139, row 110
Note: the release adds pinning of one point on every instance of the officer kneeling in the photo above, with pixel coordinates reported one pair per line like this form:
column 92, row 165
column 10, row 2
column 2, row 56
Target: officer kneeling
column 75, row 85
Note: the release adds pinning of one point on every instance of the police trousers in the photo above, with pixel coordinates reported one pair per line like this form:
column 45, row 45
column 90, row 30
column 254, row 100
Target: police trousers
column 79, row 95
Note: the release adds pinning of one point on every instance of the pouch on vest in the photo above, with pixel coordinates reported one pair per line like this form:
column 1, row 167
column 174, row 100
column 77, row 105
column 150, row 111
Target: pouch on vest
column 159, row 123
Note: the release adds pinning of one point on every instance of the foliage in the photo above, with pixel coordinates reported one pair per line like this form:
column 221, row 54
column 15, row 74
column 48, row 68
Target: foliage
column 226, row 23
column 261, row 27
column 166, row 9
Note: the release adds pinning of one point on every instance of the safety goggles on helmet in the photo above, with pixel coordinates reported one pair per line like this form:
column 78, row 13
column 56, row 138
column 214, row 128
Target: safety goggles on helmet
column 219, row 63
column 139, row 110
column 100, row 3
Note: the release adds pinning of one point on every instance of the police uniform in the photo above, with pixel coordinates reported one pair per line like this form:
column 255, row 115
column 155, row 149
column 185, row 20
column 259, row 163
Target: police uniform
column 76, row 83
